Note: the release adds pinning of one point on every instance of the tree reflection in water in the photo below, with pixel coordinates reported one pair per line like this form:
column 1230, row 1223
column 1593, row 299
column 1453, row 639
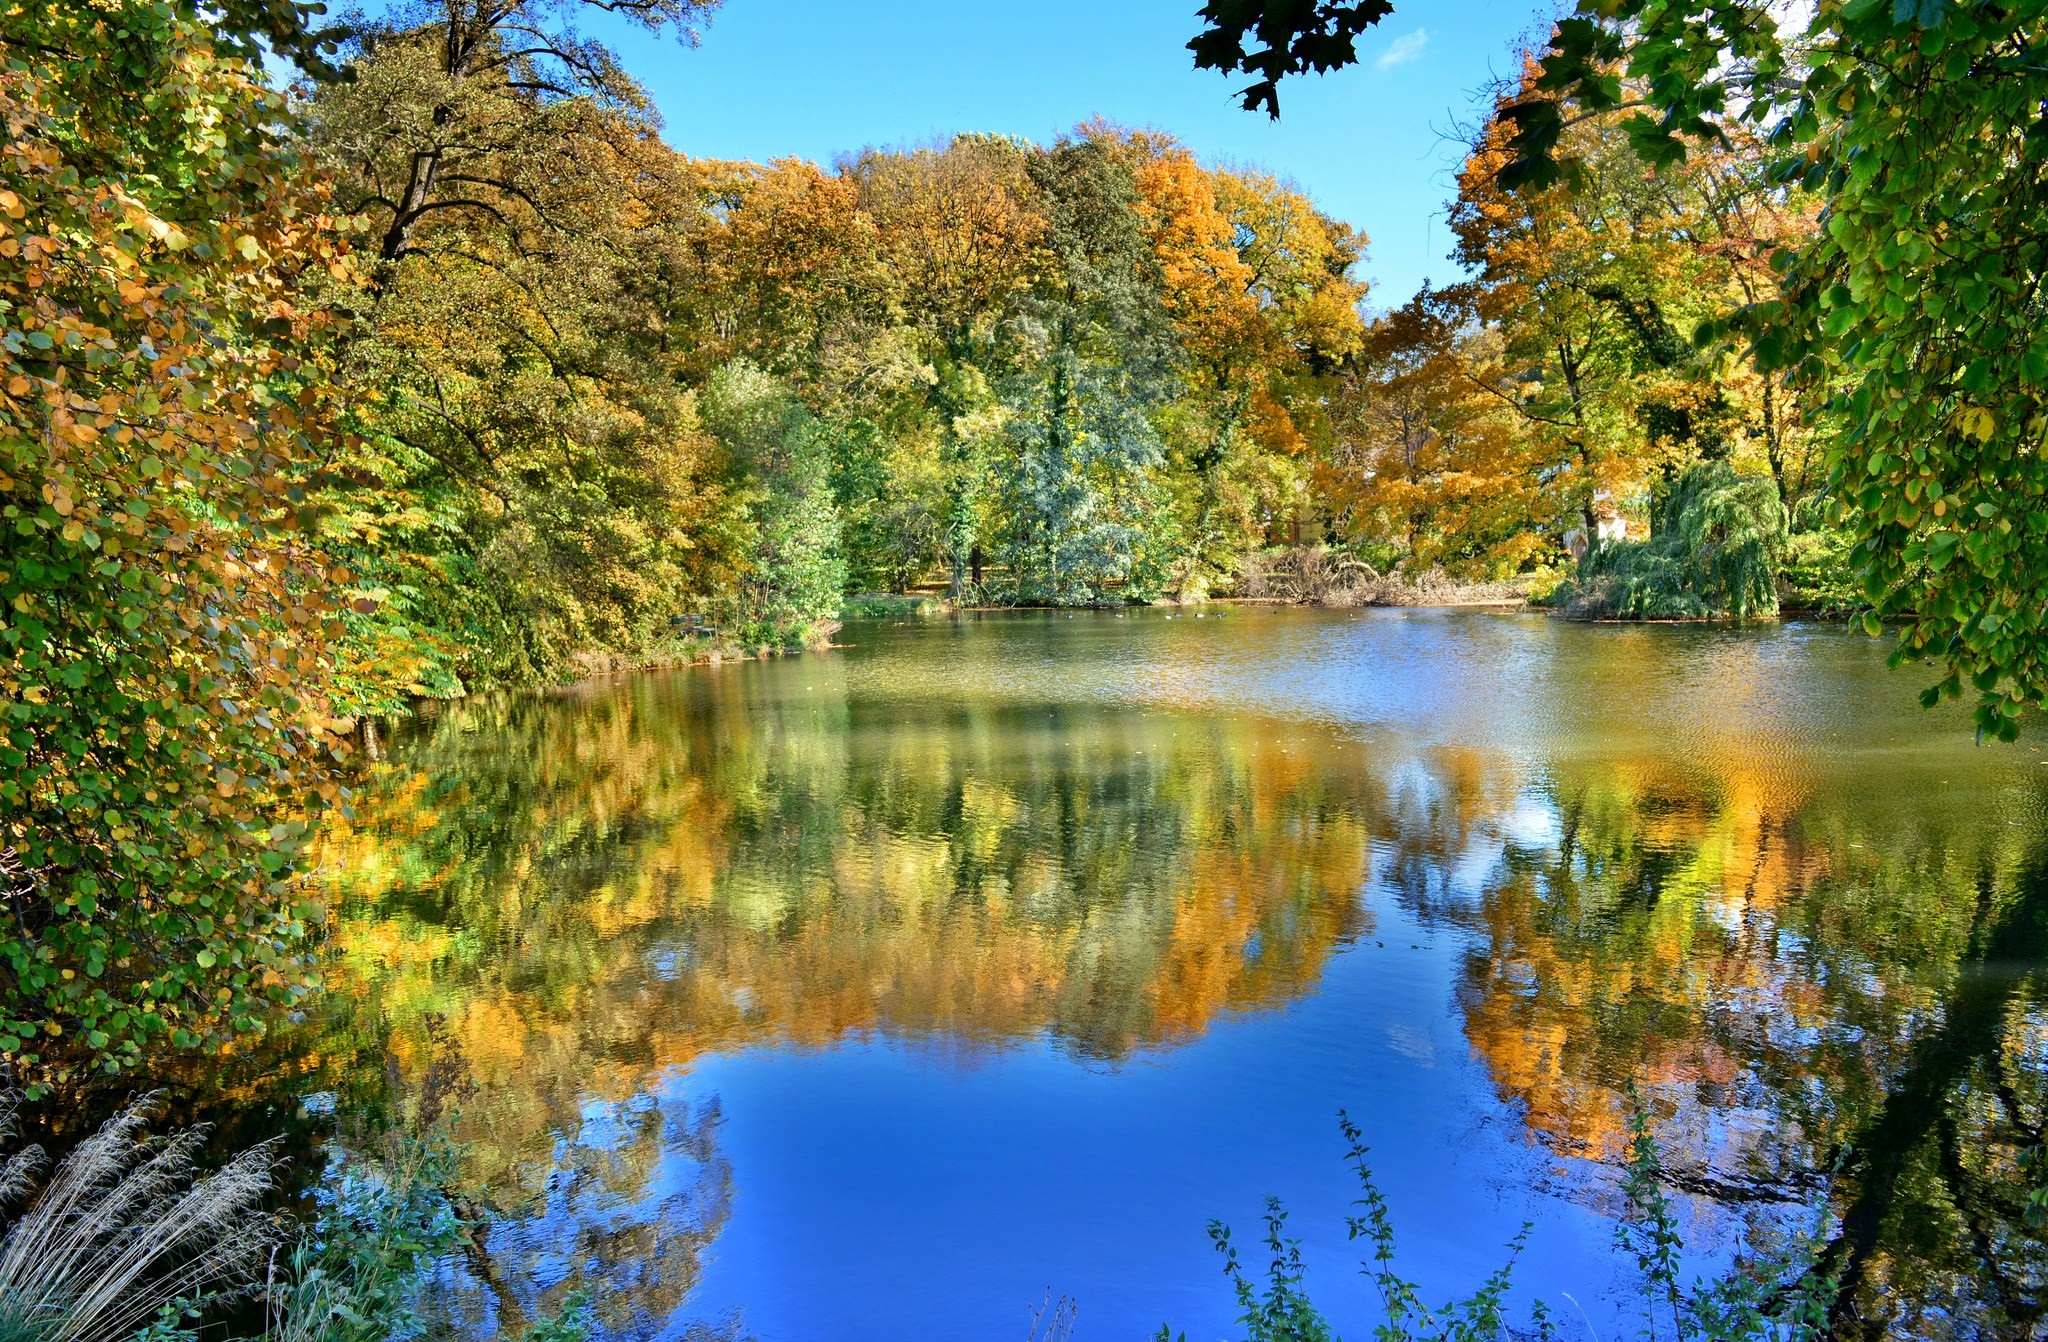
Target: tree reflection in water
column 556, row 905
column 1801, row 986
column 631, row 1200
column 548, row 907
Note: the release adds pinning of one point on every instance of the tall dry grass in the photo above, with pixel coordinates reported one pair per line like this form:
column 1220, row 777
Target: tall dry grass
column 126, row 1225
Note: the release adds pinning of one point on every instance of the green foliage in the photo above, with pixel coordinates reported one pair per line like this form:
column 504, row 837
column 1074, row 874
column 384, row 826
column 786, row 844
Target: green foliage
column 2034, row 1160
column 1284, row 1312
column 794, row 575
column 1713, row 551
column 381, row 1220
column 574, row 1321
column 166, row 400
column 1095, row 345
column 1474, row 1319
column 1281, row 1312
column 1819, row 572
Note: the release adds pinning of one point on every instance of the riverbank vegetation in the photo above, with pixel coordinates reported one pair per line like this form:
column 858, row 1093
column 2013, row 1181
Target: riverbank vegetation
column 127, row 1240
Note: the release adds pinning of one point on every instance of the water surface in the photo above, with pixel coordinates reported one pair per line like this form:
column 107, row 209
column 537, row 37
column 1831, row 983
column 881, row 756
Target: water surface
column 878, row 993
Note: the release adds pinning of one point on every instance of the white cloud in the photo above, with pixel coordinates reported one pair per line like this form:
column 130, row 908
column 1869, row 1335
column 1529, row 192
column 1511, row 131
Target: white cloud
column 1403, row 49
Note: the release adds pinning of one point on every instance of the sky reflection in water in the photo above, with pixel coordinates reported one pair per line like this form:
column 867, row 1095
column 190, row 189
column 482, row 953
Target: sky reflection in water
column 876, row 992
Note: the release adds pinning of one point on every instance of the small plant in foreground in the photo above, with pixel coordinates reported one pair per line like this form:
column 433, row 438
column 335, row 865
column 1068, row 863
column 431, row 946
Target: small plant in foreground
column 130, row 1242
column 1774, row 1293
column 356, row 1274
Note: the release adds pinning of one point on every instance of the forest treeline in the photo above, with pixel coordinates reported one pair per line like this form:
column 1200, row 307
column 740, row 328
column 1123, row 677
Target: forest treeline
column 441, row 371
column 604, row 394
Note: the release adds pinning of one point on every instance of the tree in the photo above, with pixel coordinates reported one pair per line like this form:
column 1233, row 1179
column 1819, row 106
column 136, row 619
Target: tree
column 537, row 487
column 1096, row 359
column 795, row 576
column 471, row 111
column 962, row 240
column 1434, row 465
column 166, row 406
column 1601, row 290
column 1714, row 548
column 1265, row 311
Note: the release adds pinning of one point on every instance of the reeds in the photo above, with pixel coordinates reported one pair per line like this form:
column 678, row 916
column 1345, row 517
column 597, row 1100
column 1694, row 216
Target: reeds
column 126, row 1226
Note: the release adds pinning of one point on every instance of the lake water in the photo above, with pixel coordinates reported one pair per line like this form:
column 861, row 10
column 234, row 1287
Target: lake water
column 888, row 992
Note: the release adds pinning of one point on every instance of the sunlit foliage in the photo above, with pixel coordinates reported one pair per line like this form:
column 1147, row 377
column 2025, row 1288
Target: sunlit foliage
column 166, row 402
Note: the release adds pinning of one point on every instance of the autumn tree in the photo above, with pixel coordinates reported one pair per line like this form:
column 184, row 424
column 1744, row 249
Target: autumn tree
column 1433, row 465
column 1608, row 292
column 1265, row 311
column 166, row 406
column 535, row 484
column 465, row 107
column 1919, row 127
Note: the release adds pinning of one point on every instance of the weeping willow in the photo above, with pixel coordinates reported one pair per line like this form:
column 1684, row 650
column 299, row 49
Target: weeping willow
column 1715, row 546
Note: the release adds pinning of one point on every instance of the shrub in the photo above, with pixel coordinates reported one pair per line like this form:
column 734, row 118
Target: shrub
column 1715, row 546
column 380, row 1224
column 1819, row 574
column 165, row 401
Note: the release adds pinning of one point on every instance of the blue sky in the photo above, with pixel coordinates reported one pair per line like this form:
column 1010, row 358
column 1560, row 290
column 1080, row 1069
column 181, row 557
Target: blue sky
column 819, row 78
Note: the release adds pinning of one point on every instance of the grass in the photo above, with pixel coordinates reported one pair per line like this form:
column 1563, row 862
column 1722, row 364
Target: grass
column 129, row 1241
column 125, row 1229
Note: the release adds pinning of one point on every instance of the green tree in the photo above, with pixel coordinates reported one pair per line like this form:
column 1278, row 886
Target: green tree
column 961, row 241
column 795, row 575
column 1715, row 546
column 1096, row 360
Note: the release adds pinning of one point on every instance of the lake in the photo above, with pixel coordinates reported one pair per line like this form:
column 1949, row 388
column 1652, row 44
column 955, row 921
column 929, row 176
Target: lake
column 892, row 991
